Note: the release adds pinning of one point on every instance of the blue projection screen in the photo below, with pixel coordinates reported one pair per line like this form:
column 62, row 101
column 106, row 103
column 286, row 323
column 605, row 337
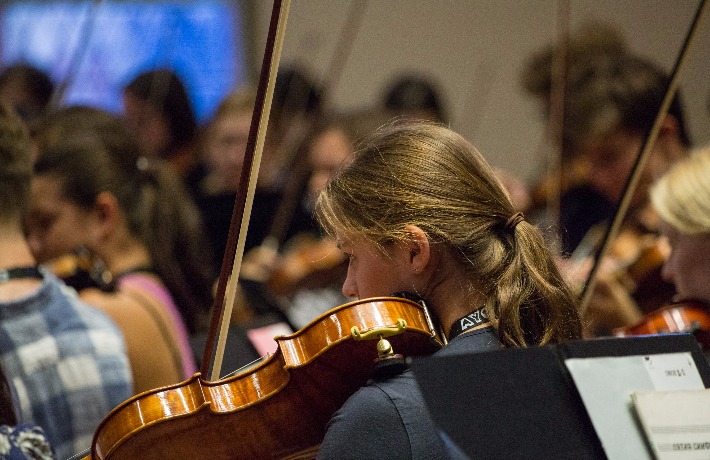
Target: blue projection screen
column 98, row 47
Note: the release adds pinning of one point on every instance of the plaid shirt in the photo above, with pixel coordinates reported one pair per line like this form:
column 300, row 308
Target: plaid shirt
column 66, row 363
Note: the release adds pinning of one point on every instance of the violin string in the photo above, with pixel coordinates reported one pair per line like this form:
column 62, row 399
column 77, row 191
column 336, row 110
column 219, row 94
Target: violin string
column 246, row 366
column 81, row 454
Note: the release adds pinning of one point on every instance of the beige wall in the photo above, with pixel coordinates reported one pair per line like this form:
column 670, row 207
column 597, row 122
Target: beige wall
column 474, row 50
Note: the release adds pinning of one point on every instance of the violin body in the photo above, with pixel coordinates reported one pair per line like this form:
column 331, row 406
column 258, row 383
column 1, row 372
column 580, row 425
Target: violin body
column 682, row 316
column 80, row 270
column 309, row 263
column 641, row 256
column 278, row 409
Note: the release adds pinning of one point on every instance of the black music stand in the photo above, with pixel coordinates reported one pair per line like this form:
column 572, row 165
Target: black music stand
column 523, row 403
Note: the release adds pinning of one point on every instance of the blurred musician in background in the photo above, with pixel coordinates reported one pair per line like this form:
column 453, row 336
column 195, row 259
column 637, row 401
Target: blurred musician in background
column 92, row 189
column 414, row 96
column 65, row 362
column 611, row 98
column 159, row 114
column 682, row 199
column 27, row 89
column 303, row 275
column 222, row 145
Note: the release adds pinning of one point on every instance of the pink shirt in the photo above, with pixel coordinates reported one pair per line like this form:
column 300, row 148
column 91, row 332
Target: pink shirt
column 158, row 291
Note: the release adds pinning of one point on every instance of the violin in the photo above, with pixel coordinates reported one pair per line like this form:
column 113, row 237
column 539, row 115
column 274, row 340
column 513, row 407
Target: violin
column 632, row 284
column 81, row 270
column 641, row 256
column 690, row 315
column 648, row 288
column 280, row 408
column 307, row 262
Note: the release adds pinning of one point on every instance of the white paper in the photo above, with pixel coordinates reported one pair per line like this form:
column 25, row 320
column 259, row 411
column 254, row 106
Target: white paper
column 672, row 372
column 676, row 423
column 606, row 384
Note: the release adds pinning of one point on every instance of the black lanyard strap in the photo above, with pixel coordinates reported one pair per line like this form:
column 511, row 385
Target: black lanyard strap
column 19, row 272
column 477, row 317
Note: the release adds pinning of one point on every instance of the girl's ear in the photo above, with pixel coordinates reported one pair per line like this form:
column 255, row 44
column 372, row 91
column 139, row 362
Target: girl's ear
column 670, row 140
column 106, row 213
column 669, row 127
column 419, row 249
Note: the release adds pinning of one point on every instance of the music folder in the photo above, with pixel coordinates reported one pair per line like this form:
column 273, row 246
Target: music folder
column 525, row 403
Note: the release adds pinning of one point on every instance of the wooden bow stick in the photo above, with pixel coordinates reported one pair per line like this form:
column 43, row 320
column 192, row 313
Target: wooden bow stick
column 231, row 263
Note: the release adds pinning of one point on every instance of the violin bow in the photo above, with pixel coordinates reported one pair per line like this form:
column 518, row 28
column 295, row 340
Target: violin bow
column 332, row 76
column 635, row 174
column 558, row 88
column 85, row 33
column 231, row 263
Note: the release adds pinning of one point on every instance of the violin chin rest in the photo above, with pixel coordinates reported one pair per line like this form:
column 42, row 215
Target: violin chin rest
column 388, row 367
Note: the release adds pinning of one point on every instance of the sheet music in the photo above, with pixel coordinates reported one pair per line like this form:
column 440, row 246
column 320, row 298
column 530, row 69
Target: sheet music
column 606, row 384
column 676, row 423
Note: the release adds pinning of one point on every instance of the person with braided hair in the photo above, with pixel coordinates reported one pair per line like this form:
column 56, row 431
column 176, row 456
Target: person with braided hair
column 420, row 210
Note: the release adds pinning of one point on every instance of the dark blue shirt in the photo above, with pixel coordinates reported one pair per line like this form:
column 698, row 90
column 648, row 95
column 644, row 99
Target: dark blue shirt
column 389, row 419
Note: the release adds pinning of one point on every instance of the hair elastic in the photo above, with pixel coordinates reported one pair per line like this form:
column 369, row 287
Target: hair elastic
column 513, row 221
column 142, row 163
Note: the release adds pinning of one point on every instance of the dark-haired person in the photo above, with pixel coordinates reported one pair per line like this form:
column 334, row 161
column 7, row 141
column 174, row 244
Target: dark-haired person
column 415, row 96
column 65, row 361
column 612, row 97
column 160, row 114
column 93, row 190
column 27, row 89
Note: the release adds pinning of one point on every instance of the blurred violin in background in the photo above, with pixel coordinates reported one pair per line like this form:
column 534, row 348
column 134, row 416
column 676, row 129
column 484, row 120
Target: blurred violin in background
column 640, row 257
column 629, row 282
column 80, row 270
column 307, row 262
column 690, row 315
